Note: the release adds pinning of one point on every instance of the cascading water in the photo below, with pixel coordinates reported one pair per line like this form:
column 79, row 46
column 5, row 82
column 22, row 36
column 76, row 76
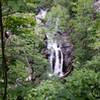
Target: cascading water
column 56, row 59
column 41, row 15
column 54, row 45
column 56, row 55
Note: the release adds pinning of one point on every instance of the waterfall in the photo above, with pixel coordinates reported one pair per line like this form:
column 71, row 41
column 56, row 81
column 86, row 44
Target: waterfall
column 40, row 20
column 54, row 45
column 40, row 16
column 56, row 55
column 56, row 59
column 57, row 23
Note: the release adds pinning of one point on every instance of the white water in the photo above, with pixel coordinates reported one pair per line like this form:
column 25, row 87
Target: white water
column 41, row 15
column 58, row 64
column 56, row 56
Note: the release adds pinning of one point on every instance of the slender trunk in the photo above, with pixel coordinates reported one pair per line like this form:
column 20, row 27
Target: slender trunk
column 4, row 65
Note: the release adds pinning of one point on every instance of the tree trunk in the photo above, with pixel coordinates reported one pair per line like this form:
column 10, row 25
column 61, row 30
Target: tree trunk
column 4, row 65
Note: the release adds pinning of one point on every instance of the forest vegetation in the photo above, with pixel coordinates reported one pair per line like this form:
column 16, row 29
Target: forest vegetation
column 22, row 50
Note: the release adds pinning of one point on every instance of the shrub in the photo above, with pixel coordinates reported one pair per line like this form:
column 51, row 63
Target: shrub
column 83, row 84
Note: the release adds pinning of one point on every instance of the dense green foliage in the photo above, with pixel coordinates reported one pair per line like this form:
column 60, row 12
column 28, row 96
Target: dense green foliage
column 83, row 84
column 24, row 50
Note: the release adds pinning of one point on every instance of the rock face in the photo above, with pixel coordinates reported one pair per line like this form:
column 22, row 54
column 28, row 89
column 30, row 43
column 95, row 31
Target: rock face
column 67, row 50
column 97, row 5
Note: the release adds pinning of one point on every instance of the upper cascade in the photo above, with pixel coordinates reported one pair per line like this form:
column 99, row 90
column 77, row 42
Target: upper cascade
column 41, row 16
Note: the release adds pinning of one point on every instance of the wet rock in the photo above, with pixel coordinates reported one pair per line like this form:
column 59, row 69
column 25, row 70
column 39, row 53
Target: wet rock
column 97, row 5
column 67, row 50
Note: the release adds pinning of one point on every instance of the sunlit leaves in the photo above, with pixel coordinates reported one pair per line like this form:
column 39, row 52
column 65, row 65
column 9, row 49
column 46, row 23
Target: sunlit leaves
column 20, row 23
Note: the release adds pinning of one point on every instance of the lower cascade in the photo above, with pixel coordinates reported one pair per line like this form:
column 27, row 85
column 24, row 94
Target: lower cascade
column 56, row 59
column 60, row 57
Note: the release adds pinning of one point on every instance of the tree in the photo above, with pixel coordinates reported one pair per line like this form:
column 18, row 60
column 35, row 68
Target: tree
column 4, row 65
column 23, row 48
